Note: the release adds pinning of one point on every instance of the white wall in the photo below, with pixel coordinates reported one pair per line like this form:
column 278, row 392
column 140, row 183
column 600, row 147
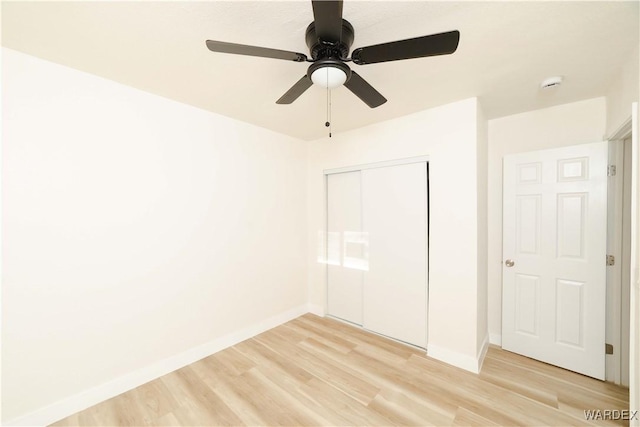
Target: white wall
column 568, row 124
column 622, row 92
column 448, row 135
column 135, row 228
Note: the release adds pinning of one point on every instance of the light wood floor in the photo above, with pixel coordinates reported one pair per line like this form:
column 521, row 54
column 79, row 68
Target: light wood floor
column 317, row 371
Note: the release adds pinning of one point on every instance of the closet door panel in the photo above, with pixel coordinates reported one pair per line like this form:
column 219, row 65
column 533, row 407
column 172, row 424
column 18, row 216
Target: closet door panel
column 345, row 246
column 394, row 206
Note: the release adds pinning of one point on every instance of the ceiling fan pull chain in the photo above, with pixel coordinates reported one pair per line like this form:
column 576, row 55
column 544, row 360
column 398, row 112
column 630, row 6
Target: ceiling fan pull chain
column 328, row 122
column 329, row 113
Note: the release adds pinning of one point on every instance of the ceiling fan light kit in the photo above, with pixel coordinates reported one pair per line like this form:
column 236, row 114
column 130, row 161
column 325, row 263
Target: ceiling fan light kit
column 329, row 38
column 329, row 74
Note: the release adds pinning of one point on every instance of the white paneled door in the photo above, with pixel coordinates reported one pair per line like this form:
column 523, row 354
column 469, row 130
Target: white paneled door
column 377, row 249
column 554, row 249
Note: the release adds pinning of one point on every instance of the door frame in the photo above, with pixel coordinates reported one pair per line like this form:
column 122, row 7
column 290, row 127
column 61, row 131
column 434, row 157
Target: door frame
column 634, row 309
column 361, row 167
column 616, row 327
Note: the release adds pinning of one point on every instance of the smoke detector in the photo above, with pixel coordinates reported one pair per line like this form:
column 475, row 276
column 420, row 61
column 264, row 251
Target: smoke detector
column 551, row 82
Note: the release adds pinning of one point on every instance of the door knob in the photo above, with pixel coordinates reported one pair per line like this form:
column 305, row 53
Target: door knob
column 509, row 263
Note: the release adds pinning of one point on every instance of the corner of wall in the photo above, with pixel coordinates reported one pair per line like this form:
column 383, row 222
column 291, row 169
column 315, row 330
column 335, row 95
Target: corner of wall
column 482, row 351
column 459, row 360
column 622, row 92
column 316, row 309
column 482, row 224
column 495, row 339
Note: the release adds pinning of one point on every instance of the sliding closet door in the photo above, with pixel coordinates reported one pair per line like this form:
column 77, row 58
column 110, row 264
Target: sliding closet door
column 394, row 207
column 345, row 246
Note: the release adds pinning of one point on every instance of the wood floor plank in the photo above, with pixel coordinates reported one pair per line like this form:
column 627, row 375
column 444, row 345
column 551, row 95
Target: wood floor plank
column 483, row 394
column 576, row 401
column 194, row 395
column 222, row 382
column 271, row 403
column 168, row 419
column 333, row 341
column 316, row 371
column 265, row 356
column 309, row 403
column 334, row 399
column 388, row 376
column 572, row 379
column 429, row 413
column 465, row 417
column 113, row 411
column 532, row 386
column 290, row 378
column 355, row 387
column 396, row 413
column 357, row 335
column 155, row 399
column 232, row 361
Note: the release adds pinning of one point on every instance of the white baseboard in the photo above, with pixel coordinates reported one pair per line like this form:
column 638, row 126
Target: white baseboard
column 316, row 309
column 495, row 339
column 78, row 402
column 466, row 362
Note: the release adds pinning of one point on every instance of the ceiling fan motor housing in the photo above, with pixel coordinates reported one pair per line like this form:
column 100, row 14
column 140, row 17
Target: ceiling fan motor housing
column 321, row 49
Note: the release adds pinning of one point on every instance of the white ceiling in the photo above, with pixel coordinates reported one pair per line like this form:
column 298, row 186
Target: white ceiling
column 506, row 49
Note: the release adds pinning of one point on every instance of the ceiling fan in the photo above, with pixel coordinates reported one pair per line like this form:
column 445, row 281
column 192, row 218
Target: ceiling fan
column 329, row 38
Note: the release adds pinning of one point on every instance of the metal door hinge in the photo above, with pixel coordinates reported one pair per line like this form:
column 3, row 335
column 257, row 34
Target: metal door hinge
column 611, row 260
column 611, row 170
column 608, row 349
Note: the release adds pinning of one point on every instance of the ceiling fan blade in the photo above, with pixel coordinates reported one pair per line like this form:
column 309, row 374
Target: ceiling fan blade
column 264, row 52
column 327, row 15
column 419, row 47
column 296, row 90
column 364, row 91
